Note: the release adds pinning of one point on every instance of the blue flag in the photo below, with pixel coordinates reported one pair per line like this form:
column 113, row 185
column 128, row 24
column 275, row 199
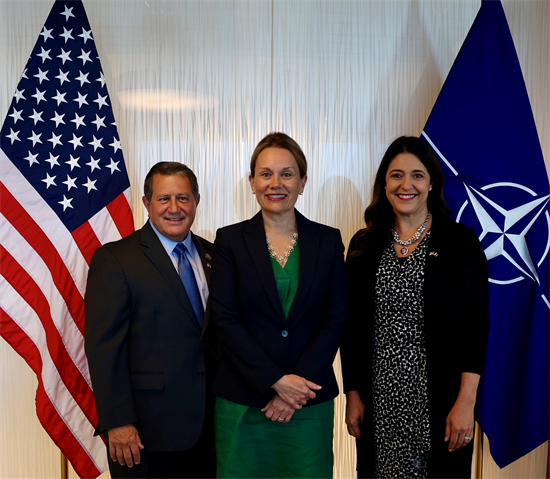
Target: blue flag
column 483, row 131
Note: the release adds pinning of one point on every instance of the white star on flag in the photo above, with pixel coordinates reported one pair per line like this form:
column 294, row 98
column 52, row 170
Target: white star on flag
column 35, row 138
column 96, row 143
column 90, row 185
column 58, row 118
column 49, row 180
column 84, row 56
column 44, row 54
column 115, row 144
column 31, row 158
column 67, row 13
column 78, row 120
column 73, row 162
column 52, row 160
column 113, row 166
column 76, row 141
column 39, row 95
column 66, row 203
column 42, row 76
column 16, row 115
column 46, row 34
column 36, row 116
column 13, row 136
column 81, row 99
column 59, row 97
column 67, row 34
column 65, row 56
column 99, row 122
column 63, row 77
column 55, row 140
column 86, row 35
column 19, row 96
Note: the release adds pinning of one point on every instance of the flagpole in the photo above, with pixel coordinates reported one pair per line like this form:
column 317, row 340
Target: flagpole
column 478, row 453
column 548, row 462
column 64, row 467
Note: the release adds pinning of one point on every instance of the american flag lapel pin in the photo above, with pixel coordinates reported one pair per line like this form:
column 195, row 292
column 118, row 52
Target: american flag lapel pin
column 433, row 253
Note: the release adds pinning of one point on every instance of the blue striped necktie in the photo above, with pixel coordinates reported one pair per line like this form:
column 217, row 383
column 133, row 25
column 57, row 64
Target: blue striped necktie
column 187, row 276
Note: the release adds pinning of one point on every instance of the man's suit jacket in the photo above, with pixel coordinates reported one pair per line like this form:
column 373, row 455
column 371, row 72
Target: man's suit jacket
column 149, row 359
column 259, row 345
column 456, row 322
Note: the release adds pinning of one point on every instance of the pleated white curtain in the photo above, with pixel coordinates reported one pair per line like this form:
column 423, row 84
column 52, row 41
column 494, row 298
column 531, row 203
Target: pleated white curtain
column 202, row 82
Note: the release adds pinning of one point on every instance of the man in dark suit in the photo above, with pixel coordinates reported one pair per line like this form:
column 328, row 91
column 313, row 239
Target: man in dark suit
column 148, row 344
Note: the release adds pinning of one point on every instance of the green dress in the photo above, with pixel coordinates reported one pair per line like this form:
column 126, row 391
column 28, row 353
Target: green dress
column 248, row 445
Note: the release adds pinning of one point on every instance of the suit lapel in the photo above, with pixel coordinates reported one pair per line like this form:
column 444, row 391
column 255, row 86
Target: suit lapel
column 206, row 254
column 157, row 255
column 254, row 237
column 308, row 237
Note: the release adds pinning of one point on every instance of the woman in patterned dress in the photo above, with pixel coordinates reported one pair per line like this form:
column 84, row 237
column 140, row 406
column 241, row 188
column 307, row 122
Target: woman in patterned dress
column 416, row 341
column 280, row 306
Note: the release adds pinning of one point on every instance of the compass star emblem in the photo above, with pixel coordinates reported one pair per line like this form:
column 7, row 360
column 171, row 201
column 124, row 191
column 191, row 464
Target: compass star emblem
column 508, row 226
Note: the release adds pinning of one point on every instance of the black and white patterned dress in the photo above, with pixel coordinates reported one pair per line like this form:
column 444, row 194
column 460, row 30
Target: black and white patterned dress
column 399, row 366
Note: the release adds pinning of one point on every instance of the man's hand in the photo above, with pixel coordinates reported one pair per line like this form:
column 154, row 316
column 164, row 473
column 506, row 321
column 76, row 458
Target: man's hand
column 295, row 390
column 124, row 445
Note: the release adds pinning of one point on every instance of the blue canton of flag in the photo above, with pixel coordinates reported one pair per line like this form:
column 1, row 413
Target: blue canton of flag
column 60, row 131
column 483, row 131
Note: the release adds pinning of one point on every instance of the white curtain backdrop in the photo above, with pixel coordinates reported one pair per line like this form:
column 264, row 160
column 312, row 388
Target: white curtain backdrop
column 202, row 82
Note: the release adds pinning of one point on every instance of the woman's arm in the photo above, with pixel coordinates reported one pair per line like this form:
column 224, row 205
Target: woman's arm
column 459, row 430
column 323, row 346
column 474, row 275
column 240, row 347
column 355, row 410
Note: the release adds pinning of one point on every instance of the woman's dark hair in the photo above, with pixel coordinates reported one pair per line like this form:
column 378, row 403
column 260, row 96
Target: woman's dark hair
column 283, row 141
column 379, row 216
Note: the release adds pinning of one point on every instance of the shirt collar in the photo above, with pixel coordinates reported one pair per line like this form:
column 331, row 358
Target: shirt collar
column 169, row 244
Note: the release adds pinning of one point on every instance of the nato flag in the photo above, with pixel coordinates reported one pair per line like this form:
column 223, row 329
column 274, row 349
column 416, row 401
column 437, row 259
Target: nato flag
column 483, row 131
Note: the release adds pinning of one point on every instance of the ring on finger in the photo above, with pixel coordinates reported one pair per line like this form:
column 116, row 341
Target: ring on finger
column 280, row 419
column 467, row 438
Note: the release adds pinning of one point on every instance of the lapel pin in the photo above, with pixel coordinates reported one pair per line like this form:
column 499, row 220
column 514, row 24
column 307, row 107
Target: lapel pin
column 207, row 256
column 209, row 265
column 433, row 253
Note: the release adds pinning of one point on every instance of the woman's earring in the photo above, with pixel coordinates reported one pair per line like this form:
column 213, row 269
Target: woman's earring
column 430, row 188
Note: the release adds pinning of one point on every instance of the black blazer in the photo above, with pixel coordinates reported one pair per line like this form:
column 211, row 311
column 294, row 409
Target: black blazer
column 259, row 345
column 149, row 359
column 456, row 319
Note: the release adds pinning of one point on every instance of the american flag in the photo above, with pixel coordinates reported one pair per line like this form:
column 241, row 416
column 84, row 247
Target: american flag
column 64, row 191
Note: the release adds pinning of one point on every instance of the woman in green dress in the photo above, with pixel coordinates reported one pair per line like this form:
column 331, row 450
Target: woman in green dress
column 279, row 303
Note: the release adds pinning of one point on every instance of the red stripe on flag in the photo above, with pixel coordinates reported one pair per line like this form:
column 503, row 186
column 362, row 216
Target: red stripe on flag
column 86, row 240
column 23, row 283
column 46, row 412
column 19, row 341
column 121, row 213
column 63, row 437
column 38, row 240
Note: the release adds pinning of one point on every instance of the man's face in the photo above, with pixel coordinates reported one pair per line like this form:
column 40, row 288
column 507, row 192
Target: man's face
column 172, row 207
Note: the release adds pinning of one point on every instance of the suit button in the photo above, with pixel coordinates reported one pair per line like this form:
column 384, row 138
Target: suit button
column 284, row 333
column 200, row 373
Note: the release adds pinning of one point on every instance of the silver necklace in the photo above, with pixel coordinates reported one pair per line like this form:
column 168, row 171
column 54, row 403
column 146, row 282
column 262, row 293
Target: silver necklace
column 414, row 239
column 281, row 259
